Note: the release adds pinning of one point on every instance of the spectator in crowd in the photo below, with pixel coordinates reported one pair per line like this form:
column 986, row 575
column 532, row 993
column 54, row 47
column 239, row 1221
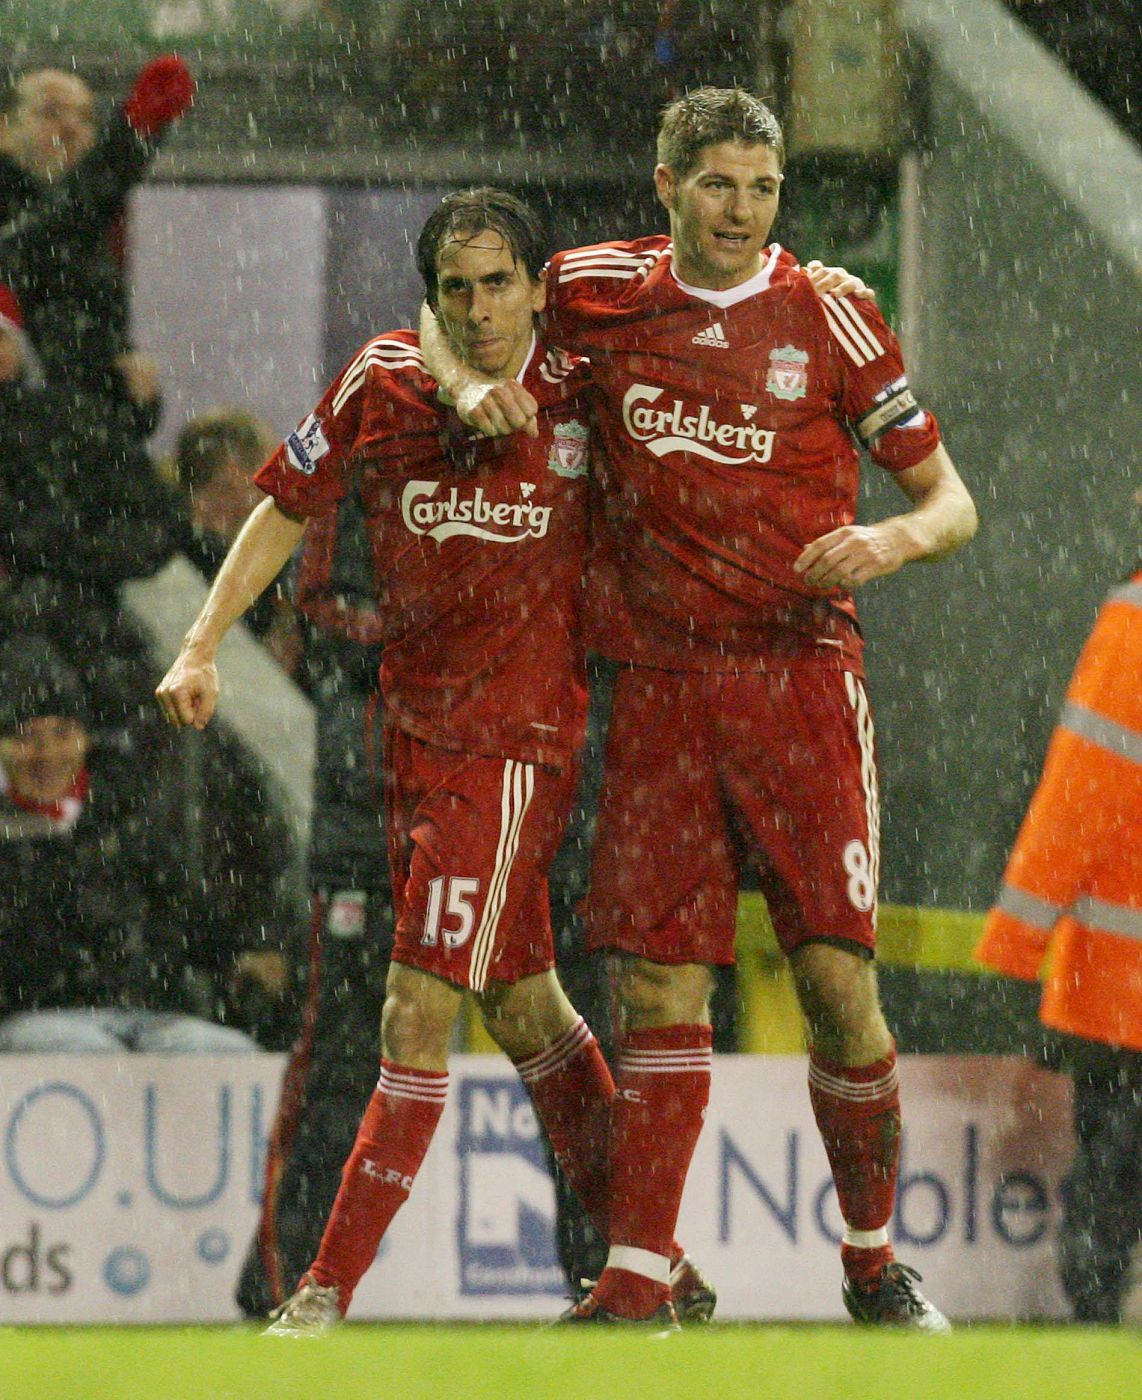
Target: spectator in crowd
column 62, row 190
column 103, row 935
column 81, row 507
column 215, row 459
column 333, row 1064
column 1072, row 898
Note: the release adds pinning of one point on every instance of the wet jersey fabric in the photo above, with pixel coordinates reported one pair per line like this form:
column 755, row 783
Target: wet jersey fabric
column 730, row 423
column 477, row 545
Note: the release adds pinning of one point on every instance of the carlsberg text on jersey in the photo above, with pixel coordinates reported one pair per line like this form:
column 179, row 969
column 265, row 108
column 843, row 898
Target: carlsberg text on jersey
column 672, row 429
column 455, row 514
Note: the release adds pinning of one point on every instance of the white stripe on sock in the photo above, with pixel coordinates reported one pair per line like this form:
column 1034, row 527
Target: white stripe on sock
column 428, row 1087
column 854, row 1092
column 640, row 1261
column 865, row 1239
column 665, row 1061
column 556, row 1055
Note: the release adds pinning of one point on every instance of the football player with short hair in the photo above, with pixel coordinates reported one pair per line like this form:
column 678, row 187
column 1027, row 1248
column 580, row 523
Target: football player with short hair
column 732, row 399
column 478, row 548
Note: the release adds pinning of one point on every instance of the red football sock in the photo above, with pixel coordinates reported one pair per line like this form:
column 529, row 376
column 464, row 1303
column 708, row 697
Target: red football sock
column 391, row 1142
column 858, row 1114
column 661, row 1092
column 572, row 1089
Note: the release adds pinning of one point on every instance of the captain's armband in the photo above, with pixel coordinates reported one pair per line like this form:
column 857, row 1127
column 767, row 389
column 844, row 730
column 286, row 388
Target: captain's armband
column 895, row 407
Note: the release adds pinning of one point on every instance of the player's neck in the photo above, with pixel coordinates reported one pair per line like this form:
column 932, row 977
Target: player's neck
column 701, row 279
column 517, row 367
column 739, row 290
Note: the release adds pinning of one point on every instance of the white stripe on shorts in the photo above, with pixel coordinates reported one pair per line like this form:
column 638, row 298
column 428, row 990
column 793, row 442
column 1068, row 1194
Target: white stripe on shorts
column 858, row 698
column 515, row 798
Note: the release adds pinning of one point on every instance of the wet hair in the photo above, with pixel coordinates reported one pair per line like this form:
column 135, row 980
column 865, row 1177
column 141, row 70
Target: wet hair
column 212, row 439
column 708, row 116
column 463, row 215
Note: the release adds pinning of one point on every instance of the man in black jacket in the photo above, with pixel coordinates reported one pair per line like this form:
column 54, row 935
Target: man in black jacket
column 333, row 1065
column 62, row 192
column 105, row 944
column 81, row 508
column 215, row 458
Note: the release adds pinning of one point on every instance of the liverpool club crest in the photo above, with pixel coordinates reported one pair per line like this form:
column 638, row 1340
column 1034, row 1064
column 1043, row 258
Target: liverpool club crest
column 569, row 451
column 788, row 376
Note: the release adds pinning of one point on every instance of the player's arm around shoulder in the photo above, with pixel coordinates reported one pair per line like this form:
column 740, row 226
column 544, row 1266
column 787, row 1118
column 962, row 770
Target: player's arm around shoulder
column 837, row 281
column 943, row 518
column 491, row 407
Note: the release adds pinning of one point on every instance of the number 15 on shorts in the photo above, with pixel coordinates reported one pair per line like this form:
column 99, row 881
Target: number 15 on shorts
column 449, row 897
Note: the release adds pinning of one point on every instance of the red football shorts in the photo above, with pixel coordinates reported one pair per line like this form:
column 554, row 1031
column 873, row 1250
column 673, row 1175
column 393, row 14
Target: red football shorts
column 470, row 843
column 706, row 771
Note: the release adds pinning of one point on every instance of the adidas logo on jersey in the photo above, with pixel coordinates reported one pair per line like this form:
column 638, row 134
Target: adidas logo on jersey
column 713, row 336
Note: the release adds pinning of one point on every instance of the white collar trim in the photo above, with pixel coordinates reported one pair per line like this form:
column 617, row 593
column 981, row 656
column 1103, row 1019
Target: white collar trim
column 759, row 282
column 527, row 359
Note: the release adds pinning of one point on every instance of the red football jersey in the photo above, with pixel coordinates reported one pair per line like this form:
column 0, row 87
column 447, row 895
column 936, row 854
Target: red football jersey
column 478, row 546
column 730, row 422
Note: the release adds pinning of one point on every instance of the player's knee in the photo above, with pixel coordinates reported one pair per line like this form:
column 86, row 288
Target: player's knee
column 850, row 1029
column 839, row 998
column 661, row 994
column 526, row 1016
column 414, row 1030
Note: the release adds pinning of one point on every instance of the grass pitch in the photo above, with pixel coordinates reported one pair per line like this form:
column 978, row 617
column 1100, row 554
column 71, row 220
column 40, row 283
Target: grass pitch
column 522, row 1363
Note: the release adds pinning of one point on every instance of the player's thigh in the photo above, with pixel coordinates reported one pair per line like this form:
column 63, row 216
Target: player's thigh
column 663, row 873
column 479, row 838
column 798, row 761
column 416, row 1021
